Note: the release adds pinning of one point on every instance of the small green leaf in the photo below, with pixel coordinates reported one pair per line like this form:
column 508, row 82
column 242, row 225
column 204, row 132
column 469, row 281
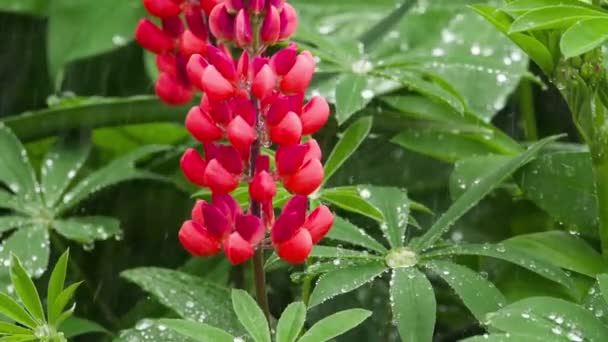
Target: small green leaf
column 474, row 194
column 250, row 315
column 61, row 165
column 62, row 300
column 351, row 96
column 75, row 326
column 478, row 294
column 553, row 17
column 26, row 290
column 198, row 331
column 87, row 229
column 8, row 328
column 335, row 325
column 347, row 145
column 57, row 280
column 350, row 199
column 291, row 322
column 395, row 207
column 602, row 280
column 344, row 280
column 30, row 244
column 413, row 304
column 15, row 169
column 550, row 246
column 584, row 36
column 520, row 6
column 14, row 311
column 344, row 231
column 18, row 338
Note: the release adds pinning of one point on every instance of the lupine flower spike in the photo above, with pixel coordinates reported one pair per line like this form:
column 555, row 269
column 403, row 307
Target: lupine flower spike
column 247, row 101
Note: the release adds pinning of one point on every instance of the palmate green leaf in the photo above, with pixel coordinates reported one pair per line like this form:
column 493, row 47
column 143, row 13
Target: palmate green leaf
column 478, row 294
column 56, row 312
column 31, row 7
column 95, row 112
column 250, row 315
column 14, row 203
column 602, row 280
column 190, row 297
column 506, row 253
column 14, row 311
column 548, row 180
column 537, row 51
column 467, row 171
column 12, row 329
column 351, row 199
column 31, row 245
column 335, row 325
column 26, row 290
column 88, row 229
column 413, row 304
column 544, row 316
column 76, row 326
column 553, row 17
column 584, row 36
column 344, row 280
column 197, row 331
column 344, row 231
column 119, row 170
column 474, row 194
column 65, row 44
column 339, row 253
column 18, row 338
column 351, row 96
column 14, row 221
column 15, row 169
column 395, row 207
column 57, row 279
column 522, row 6
column 347, row 145
column 61, row 165
column 561, row 249
column 291, row 322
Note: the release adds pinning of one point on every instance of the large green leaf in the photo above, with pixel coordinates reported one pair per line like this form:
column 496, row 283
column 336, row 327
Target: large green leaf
column 57, row 280
column 335, row 325
column 291, row 322
column 375, row 33
column 15, row 169
column 602, row 280
column 344, row 231
column 561, row 249
column 351, row 95
column 13, row 221
column 151, row 330
column 351, row 199
column 347, row 145
column 26, row 290
column 552, row 178
column 467, row 172
column 87, row 229
column 553, row 17
column 344, row 280
column 475, row 291
column 93, row 36
column 339, row 253
column 584, row 36
column 547, row 316
column 14, row 311
column 413, row 304
column 395, row 207
column 250, row 315
column 31, row 245
column 191, row 297
column 197, row 331
column 475, row 193
column 61, row 165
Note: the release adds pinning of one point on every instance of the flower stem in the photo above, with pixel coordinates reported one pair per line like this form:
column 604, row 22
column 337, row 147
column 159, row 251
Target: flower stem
column 526, row 109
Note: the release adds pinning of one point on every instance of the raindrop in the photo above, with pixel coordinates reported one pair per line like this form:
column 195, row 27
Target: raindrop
column 438, row 52
column 367, row 94
column 475, row 49
column 119, row 40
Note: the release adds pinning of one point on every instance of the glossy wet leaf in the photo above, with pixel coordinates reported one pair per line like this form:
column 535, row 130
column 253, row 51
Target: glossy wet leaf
column 13, row 221
column 56, row 312
column 26, row 290
column 250, row 315
column 602, row 280
column 553, row 17
column 190, row 297
column 335, row 325
column 291, row 322
column 477, row 293
column 340, row 253
column 152, row 330
column 14, row 311
column 15, row 168
column 344, row 231
column 350, row 199
column 521, row 6
column 31, row 245
column 474, row 194
column 344, row 280
column 375, row 34
column 196, row 330
column 467, row 172
column 584, row 36
column 413, row 304
column 88, row 229
column 347, row 145
column 510, row 337
column 395, row 207
column 351, row 96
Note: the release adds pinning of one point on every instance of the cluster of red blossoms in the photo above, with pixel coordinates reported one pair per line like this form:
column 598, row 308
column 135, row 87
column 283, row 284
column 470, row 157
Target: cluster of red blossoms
column 248, row 102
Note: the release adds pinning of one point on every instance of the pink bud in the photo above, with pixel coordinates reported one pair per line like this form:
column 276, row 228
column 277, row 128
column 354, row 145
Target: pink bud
column 195, row 69
column 314, row 151
column 277, row 111
column 234, row 5
column 277, row 3
column 190, row 44
column 288, row 131
column 209, row 5
column 221, row 23
column 306, row 180
column 197, row 212
column 319, row 223
column 246, row 109
column 262, row 188
column 197, row 241
column 299, row 76
column 173, row 26
column 257, row 6
column 264, row 82
column 242, row 29
column 250, row 228
column 222, row 62
column 314, row 115
column 242, row 67
column 284, row 60
column 193, row 166
column 237, row 249
column 152, row 38
column 296, row 249
column 171, row 91
column 289, row 22
column 196, row 23
column 290, row 158
column 218, row 179
column 162, row 8
column 201, row 126
column 271, row 26
column 241, row 135
column 215, row 85
column 166, row 63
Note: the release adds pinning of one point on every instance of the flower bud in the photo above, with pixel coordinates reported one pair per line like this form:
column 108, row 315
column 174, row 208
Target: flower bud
column 242, row 29
column 215, row 85
column 299, row 76
column 221, row 23
column 314, row 115
column 190, row 44
column 201, row 126
column 271, row 26
column 264, row 82
column 193, row 166
column 277, row 111
column 209, row 5
column 152, row 38
column 195, row 69
column 263, row 187
column 162, row 8
column 196, row 23
column 288, row 131
column 306, row 180
column 289, row 22
column 171, row 91
column 197, row 241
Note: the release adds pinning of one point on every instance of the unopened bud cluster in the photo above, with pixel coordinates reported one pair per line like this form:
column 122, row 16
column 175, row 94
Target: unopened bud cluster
column 249, row 101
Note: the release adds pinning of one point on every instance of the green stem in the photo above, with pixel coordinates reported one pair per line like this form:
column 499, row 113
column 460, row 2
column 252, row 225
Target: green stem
column 306, row 290
column 526, row 109
column 600, row 175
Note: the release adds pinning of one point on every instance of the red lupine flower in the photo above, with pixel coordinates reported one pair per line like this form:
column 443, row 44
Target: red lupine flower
column 289, row 21
column 314, row 115
column 171, row 90
column 221, row 223
column 293, row 234
column 242, row 29
column 162, row 8
column 153, row 38
column 220, row 171
column 221, row 23
column 299, row 167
